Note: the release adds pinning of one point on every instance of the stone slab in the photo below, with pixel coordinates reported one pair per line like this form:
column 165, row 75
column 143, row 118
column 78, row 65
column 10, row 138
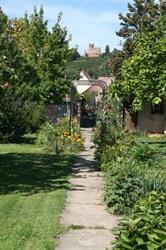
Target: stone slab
column 84, row 209
column 88, row 215
column 85, row 239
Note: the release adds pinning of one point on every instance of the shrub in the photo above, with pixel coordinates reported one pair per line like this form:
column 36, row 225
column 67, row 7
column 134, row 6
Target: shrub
column 142, row 152
column 14, row 117
column 123, row 187
column 48, row 136
column 127, row 180
column 154, row 181
column 56, row 138
column 37, row 117
column 145, row 229
column 109, row 129
column 117, row 151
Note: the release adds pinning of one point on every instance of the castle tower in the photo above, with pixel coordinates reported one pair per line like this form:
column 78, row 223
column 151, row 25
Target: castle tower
column 92, row 51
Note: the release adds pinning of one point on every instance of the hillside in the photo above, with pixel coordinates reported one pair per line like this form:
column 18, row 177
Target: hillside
column 92, row 65
column 95, row 66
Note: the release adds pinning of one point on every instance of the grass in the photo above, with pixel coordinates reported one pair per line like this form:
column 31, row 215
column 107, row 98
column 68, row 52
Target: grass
column 33, row 189
column 158, row 144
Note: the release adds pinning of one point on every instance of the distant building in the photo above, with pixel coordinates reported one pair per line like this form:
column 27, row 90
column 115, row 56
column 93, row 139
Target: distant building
column 86, row 83
column 92, row 51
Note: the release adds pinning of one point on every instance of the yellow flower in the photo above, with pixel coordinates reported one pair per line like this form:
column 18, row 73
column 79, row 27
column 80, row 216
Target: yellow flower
column 78, row 140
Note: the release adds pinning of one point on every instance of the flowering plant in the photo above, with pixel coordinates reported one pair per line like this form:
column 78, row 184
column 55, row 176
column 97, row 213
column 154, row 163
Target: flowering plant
column 56, row 138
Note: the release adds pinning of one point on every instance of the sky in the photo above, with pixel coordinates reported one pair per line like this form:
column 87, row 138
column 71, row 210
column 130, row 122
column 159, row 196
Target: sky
column 88, row 21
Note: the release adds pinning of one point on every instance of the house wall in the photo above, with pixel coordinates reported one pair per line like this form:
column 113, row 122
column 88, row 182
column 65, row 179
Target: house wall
column 154, row 123
column 83, row 76
column 82, row 88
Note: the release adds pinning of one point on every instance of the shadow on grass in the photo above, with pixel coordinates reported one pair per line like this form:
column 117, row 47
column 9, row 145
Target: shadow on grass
column 161, row 143
column 33, row 173
column 26, row 140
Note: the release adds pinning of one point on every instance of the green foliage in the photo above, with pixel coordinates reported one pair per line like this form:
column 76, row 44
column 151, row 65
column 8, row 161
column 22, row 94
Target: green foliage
column 31, row 69
column 107, row 49
column 154, row 181
column 33, row 59
column 123, row 187
column 15, row 70
column 55, row 138
column 146, row 227
column 75, row 55
column 3, row 21
column 116, row 151
column 36, row 35
column 14, row 116
column 94, row 66
column 109, row 126
column 55, row 56
column 117, row 61
column 48, row 137
column 142, row 152
column 129, row 174
column 36, row 117
column 141, row 18
column 89, row 64
column 143, row 74
column 131, row 169
column 126, row 180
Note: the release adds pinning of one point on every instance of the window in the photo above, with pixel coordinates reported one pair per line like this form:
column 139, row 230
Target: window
column 157, row 108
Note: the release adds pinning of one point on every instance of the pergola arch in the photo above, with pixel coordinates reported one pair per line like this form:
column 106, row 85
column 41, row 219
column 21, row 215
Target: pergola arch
column 96, row 86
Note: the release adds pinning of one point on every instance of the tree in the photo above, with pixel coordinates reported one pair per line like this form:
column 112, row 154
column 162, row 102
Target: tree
column 3, row 21
column 107, row 50
column 46, row 53
column 31, row 34
column 36, row 35
column 143, row 74
column 75, row 55
column 16, row 85
column 162, row 7
column 55, row 56
column 116, row 63
column 14, row 116
column 15, row 71
column 31, row 69
column 11, row 61
column 141, row 17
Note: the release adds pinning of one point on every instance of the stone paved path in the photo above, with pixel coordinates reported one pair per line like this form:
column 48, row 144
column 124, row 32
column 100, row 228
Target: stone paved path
column 88, row 222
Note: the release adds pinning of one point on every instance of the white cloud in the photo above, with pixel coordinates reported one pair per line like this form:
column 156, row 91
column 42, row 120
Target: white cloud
column 85, row 25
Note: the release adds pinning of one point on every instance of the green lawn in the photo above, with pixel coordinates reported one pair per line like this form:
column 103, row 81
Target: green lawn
column 33, row 189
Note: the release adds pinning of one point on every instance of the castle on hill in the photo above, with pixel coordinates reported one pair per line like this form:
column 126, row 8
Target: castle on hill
column 92, row 51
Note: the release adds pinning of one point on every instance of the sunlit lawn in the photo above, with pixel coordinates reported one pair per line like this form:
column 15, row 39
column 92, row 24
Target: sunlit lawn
column 33, row 189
